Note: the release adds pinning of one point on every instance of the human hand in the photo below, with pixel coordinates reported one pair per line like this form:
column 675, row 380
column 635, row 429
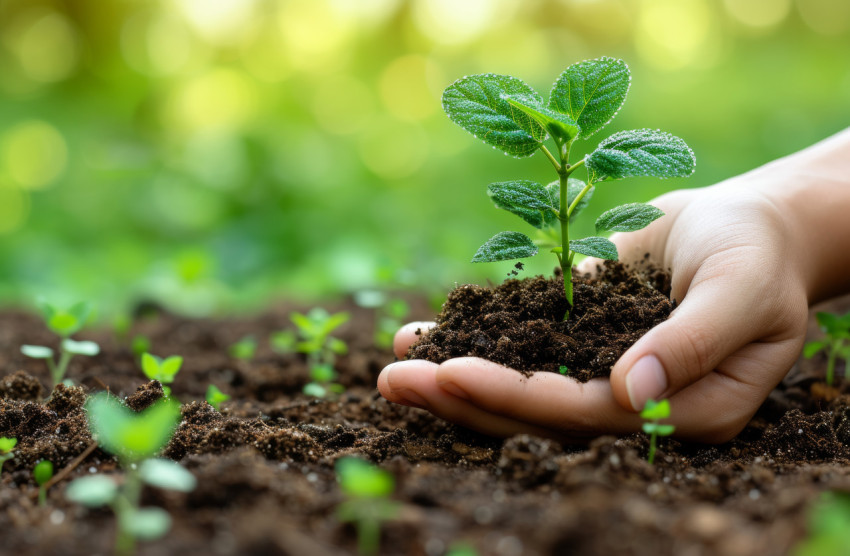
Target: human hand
column 737, row 271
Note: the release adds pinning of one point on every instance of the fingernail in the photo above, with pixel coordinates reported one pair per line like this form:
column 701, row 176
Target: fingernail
column 411, row 397
column 453, row 389
column 646, row 380
column 394, row 372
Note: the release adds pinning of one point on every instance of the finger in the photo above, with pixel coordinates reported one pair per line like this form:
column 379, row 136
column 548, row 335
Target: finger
column 413, row 383
column 716, row 318
column 406, row 336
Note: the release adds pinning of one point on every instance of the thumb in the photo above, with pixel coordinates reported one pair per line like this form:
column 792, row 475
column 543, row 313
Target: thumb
column 709, row 325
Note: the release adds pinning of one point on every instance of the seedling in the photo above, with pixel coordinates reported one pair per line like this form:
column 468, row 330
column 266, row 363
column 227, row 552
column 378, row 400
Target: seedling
column 828, row 526
column 6, row 447
column 368, row 489
column 163, row 370
column 42, row 472
column 313, row 339
column 134, row 438
column 390, row 318
column 64, row 322
column 510, row 116
column 653, row 412
column 837, row 330
column 216, row 397
column 244, row 349
column 140, row 344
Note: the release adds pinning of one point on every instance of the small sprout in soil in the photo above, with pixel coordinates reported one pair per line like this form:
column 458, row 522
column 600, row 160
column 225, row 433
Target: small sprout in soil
column 837, row 330
column 6, row 447
column 63, row 322
column 216, row 397
column 563, row 370
column 140, row 344
column 244, row 349
column 462, row 549
column 314, row 340
column 828, row 526
column 510, row 116
column 390, row 314
column 42, row 472
column 368, row 489
column 163, row 370
column 134, row 438
column 653, row 412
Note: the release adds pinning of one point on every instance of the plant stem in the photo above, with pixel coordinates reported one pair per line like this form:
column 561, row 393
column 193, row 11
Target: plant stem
column 58, row 371
column 651, row 457
column 564, row 217
column 558, row 167
column 42, row 496
column 127, row 504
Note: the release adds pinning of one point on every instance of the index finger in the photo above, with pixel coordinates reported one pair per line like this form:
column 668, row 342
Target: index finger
column 406, row 336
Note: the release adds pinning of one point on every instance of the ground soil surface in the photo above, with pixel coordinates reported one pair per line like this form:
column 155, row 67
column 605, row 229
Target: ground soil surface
column 265, row 462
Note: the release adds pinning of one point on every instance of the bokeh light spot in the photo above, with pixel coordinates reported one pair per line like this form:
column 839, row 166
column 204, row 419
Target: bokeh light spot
column 393, row 150
column 453, row 22
column 758, row 13
column 313, row 34
column 409, row 87
column 672, row 34
column 342, row 105
column 158, row 44
column 218, row 160
column 46, row 46
column 221, row 98
column 34, row 154
column 222, row 22
column 828, row 17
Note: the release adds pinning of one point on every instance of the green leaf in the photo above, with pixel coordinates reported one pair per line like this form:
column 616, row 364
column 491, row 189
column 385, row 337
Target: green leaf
column 527, row 199
column 150, row 366
column 64, row 323
column 333, row 322
column 337, row 346
column 145, row 523
column 574, row 187
column 80, row 348
column 654, row 410
column 7, row 444
column 560, row 127
column 92, row 492
column 361, row 479
column 505, row 246
column 304, row 324
column 591, row 92
column 831, row 324
column 628, row 218
column 595, row 246
column 167, row 474
column 37, row 352
column 477, row 104
column 315, row 390
column 283, row 341
column 665, row 430
column 170, row 367
column 641, row 152
column 322, row 373
column 42, row 472
column 215, row 397
column 130, row 435
column 811, row 348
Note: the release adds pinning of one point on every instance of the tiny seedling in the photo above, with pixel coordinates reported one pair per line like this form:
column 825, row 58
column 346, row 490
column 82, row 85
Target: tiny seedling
column 837, row 330
column 828, row 526
column 216, row 397
column 510, row 116
column 368, row 489
column 134, row 438
column 653, row 412
column 244, row 349
column 63, row 322
column 163, row 370
column 313, row 339
column 7, row 445
column 140, row 344
column 42, row 472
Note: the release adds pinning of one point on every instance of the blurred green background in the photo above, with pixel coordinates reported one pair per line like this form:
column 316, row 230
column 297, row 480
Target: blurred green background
column 215, row 155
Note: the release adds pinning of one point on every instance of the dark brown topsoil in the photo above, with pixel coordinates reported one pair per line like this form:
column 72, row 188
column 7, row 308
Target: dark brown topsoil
column 266, row 483
column 520, row 323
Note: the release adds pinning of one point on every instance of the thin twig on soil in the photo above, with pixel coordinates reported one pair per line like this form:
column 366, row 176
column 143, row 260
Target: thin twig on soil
column 69, row 468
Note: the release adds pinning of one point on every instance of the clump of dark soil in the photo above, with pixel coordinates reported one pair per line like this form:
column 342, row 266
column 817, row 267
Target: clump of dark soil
column 520, row 323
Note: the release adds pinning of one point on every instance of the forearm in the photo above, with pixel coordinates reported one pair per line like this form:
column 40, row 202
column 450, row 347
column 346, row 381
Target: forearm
column 812, row 190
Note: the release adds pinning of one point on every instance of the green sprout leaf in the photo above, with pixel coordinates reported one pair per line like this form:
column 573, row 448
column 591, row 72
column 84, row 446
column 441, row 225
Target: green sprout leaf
column 283, row 341
column 628, row 218
column 244, row 348
column 145, row 523
column 833, row 325
column 560, row 127
column 131, row 436
column 315, row 390
column 527, row 199
column 811, row 348
column 169, row 367
column 505, row 246
column 167, row 474
column 37, row 352
column 42, row 472
column 641, row 152
column 656, row 410
column 322, row 373
column 7, row 444
column 591, row 93
column 92, row 492
column 163, row 370
column 216, row 397
column 477, row 104
column 595, row 246
column 361, row 479
column 65, row 322
column 80, row 348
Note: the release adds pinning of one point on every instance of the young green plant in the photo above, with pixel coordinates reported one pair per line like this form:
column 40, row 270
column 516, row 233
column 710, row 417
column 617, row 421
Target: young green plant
column 510, row 116
column 828, row 526
column 313, row 338
column 367, row 489
column 244, row 349
column 163, row 370
column 42, row 473
column 837, row 331
column 134, row 438
column 7, row 446
column 215, row 397
column 64, row 323
column 653, row 412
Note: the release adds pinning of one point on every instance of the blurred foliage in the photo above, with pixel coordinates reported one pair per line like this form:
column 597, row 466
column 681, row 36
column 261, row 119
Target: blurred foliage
column 214, row 155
